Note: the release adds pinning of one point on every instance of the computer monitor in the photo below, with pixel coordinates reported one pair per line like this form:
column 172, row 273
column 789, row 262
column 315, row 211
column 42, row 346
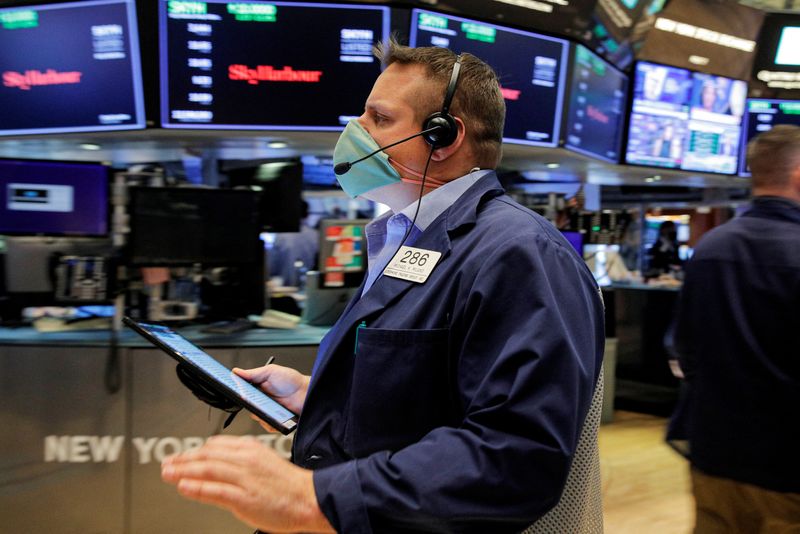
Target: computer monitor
column 596, row 106
column 70, row 67
column 531, row 69
column 685, row 120
column 318, row 173
column 267, row 65
column 762, row 115
column 53, row 198
column 188, row 225
column 279, row 185
column 575, row 239
column 342, row 252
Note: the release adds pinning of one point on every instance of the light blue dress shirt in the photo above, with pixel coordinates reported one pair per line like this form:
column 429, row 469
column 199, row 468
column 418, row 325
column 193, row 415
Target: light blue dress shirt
column 385, row 233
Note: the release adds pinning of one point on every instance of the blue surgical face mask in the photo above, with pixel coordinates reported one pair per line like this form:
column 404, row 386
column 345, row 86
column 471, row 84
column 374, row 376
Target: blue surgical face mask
column 355, row 143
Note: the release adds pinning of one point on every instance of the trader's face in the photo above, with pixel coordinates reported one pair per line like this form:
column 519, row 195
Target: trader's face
column 389, row 114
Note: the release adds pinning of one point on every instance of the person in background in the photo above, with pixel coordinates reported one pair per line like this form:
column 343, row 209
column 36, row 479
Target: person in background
column 735, row 336
column 662, row 256
column 453, row 405
column 294, row 253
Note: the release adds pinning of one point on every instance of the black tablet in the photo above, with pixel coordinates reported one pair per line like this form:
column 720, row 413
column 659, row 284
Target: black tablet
column 225, row 381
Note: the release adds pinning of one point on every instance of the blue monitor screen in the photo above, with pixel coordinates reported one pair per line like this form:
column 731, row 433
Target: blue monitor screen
column 685, row 120
column 761, row 116
column 596, row 111
column 575, row 239
column 70, row 68
column 267, row 65
column 531, row 69
column 318, row 172
column 48, row 198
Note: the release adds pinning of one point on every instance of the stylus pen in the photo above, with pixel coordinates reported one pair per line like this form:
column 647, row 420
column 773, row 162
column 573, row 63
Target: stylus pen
column 270, row 360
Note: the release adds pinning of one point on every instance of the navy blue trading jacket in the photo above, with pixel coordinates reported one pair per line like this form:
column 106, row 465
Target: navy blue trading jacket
column 737, row 334
column 456, row 405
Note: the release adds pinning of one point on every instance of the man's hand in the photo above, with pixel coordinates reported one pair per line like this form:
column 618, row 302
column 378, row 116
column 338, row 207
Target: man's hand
column 250, row 480
column 284, row 384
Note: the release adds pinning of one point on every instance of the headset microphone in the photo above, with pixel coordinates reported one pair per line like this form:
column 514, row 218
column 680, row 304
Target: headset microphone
column 341, row 168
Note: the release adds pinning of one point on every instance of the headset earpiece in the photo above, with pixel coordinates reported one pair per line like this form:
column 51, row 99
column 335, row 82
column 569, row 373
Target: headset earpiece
column 446, row 126
column 446, row 132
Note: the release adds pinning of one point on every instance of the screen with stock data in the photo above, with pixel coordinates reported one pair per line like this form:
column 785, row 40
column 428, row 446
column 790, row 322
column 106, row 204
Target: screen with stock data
column 267, row 65
column 531, row 69
column 70, row 67
column 762, row 116
column 596, row 110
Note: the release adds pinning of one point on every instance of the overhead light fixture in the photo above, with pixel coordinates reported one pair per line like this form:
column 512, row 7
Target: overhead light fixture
column 90, row 146
column 277, row 144
column 553, row 165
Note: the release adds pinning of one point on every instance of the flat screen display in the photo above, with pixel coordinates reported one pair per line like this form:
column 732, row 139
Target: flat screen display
column 48, row 198
column 70, row 67
column 342, row 252
column 788, row 52
column 267, row 65
column 761, row 116
column 185, row 225
column 596, row 110
column 685, row 120
column 318, row 172
column 531, row 69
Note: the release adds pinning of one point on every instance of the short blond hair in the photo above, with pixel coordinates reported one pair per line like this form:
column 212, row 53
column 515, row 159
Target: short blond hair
column 477, row 101
column 774, row 156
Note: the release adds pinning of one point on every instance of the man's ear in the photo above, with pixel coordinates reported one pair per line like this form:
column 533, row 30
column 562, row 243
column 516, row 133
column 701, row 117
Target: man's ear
column 794, row 179
column 441, row 154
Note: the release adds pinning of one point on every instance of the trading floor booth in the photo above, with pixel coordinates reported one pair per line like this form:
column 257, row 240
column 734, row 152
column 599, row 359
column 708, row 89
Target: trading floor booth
column 86, row 423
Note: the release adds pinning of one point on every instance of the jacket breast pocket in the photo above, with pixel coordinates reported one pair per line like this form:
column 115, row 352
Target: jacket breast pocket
column 401, row 388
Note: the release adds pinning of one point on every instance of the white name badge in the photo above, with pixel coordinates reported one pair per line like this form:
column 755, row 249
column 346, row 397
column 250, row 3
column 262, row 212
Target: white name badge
column 412, row 264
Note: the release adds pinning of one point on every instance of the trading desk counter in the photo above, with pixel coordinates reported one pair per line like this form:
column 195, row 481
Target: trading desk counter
column 85, row 422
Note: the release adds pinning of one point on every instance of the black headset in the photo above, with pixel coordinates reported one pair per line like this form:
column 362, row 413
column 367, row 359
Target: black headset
column 446, row 128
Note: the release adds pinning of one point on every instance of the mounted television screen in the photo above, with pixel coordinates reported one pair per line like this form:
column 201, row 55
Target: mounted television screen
column 685, row 120
column 267, row 65
column 531, row 69
column 715, row 124
column 596, row 109
column 49, row 198
column 70, row 67
column 761, row 116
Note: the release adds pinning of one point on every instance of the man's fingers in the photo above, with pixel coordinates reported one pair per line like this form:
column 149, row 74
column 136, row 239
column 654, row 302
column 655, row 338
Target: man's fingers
column 207, row 470
column 217, row 493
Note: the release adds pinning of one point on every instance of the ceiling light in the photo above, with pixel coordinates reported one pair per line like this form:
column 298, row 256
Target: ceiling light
column 277, row 144
column 90, row 146
column 553, row 165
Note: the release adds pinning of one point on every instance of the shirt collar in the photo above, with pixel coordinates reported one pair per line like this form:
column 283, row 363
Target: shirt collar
column 437, row 201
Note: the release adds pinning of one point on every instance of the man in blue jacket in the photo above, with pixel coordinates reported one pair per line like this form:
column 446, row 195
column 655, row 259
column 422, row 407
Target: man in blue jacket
column 450, row 395
column 736, row 337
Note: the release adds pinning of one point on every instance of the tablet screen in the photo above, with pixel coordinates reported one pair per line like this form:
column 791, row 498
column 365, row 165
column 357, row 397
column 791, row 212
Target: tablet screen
column 221, row 374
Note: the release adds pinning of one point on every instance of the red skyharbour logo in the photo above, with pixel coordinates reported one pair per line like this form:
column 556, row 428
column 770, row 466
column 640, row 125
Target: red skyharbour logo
column 597, row 115
column 36, row 77
column 266, row 73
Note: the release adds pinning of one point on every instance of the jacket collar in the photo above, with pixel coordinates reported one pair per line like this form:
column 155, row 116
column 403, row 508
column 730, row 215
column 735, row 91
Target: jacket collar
column 386, row 290
column 772, row 207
